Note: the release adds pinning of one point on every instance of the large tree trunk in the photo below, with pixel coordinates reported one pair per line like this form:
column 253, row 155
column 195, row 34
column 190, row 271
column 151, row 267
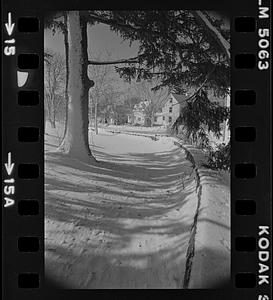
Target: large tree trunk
column 75, row 141
column 66, row 50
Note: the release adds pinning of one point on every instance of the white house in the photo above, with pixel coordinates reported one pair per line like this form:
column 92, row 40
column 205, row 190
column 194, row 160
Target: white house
column 165, row 115
column 170, row 110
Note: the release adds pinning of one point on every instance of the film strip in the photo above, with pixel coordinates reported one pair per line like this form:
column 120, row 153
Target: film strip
column 23, row 155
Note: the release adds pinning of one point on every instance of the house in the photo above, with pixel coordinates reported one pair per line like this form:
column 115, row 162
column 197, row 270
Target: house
column 170, row 110
column 174, row 103
column 165, row 115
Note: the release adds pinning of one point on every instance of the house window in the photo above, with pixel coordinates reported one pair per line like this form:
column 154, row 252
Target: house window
column 171, row 101
column 170, row 109
column 170, row 119
column 155, row 119
column 163, row 118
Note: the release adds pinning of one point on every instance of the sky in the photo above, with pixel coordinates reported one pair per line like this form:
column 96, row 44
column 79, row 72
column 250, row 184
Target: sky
column 100, row 40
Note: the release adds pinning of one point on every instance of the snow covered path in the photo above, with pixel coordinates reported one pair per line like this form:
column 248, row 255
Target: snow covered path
column 123, row 222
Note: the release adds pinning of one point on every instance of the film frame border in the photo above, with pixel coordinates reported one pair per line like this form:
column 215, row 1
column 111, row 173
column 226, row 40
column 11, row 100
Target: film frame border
column 244, row 224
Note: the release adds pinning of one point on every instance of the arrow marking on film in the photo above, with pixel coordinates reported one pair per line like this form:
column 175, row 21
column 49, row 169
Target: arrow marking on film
column 9, row 166
column 9, row 25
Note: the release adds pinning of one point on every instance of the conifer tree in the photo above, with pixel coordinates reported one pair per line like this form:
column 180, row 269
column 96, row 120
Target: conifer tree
column 183, row 50
column 186, row 52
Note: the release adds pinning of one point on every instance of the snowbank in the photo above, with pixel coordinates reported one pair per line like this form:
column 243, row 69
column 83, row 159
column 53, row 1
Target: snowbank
column 208, row 257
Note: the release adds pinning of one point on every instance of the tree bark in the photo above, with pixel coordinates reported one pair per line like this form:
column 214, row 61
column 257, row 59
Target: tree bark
column 152, row 119
column 96, row 117
column 114, row 62
column 66, row 49
column 75, row 142
column 53, row 121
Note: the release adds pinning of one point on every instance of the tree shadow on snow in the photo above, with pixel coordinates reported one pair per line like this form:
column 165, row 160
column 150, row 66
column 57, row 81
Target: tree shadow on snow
column 100, row 201
column 213, row 273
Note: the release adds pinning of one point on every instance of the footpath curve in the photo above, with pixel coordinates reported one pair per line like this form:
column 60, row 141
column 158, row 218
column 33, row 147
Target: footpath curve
column 208, row 255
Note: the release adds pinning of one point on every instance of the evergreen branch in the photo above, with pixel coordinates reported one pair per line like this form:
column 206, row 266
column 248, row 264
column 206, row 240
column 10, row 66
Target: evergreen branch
column 114, row 62
column 117, row 24
column 214, row 33
column 198, row 90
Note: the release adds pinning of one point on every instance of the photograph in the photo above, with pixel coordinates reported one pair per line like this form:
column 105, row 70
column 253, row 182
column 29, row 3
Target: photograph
column 137, row 149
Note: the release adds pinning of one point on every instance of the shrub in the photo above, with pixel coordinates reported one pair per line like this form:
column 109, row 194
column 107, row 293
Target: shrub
column 219, row 159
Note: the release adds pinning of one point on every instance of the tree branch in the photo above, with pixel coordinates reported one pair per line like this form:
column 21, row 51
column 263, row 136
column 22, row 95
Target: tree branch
column 198, row 90
column 212, row 30
column 114, row 62
column 115, row 23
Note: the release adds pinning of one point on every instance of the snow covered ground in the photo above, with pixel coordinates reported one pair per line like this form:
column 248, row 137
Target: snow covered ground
column 162, row 130
column 123, row 222
column 211, row 260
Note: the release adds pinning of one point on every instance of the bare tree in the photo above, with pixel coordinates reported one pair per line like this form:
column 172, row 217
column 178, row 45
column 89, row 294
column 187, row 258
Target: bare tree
column 66, row 47
column 130, row 100
column 54, row 85
column 156, row 98
column 103, row 93
column 57, row 22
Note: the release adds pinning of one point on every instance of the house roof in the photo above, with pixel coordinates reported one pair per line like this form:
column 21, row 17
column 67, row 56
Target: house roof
column 179, row 98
